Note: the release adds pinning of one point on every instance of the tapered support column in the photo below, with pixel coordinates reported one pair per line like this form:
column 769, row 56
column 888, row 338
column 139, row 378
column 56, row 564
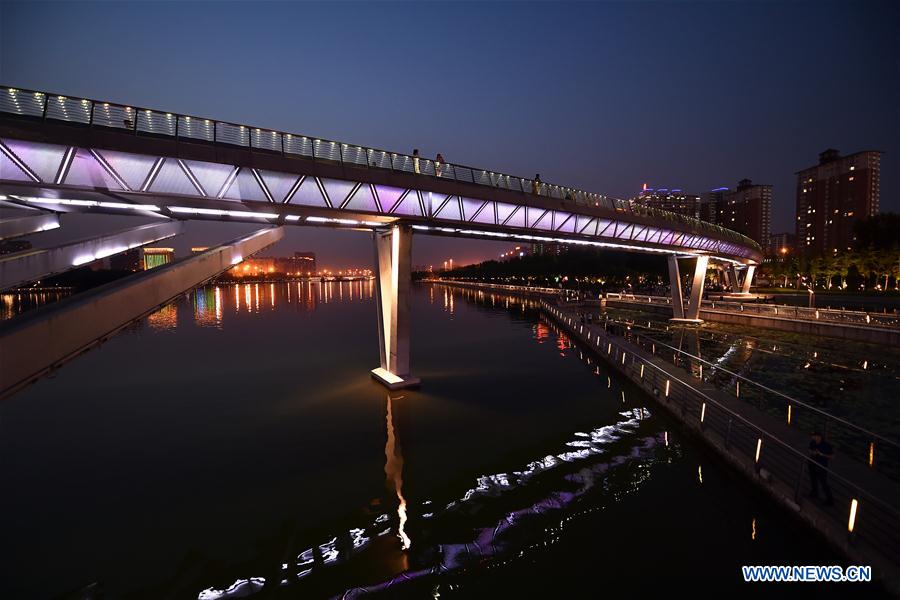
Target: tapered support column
column 735, row 281
column 675, row 281
column 748, row 278
column 690, row 314
column 693, row 310
column 393, row 255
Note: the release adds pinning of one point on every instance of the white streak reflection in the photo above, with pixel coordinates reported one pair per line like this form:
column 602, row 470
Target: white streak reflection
column 393, row 468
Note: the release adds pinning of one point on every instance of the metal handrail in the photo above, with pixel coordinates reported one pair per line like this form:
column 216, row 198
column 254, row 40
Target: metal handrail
column 819, row 411
column 828, row 315
column 140, row 121
column 889, row 510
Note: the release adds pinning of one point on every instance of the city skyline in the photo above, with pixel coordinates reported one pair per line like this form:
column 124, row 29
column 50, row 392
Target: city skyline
column 759, row 124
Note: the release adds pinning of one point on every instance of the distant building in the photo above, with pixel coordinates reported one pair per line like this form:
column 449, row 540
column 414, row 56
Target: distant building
column 781, row 244
column 549, row 249
column 748, row 210
column 132, row 260
column 254, row 266
column 301, row 264
column 517, row 252
column 833, row 196
column 157, row 257
column 673, row 200
column 712, row 204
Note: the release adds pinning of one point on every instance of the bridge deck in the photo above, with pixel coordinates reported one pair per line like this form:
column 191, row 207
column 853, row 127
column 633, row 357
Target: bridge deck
column 143, row 154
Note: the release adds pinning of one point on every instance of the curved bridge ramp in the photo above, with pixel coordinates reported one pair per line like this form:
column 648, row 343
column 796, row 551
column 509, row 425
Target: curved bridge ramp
column 42, row 339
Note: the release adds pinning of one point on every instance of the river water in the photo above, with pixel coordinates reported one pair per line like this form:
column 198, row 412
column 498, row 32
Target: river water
column 234, row 444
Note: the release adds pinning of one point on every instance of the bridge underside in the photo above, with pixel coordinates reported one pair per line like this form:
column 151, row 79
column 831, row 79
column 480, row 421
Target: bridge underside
column 67, row 168
column 292, row 191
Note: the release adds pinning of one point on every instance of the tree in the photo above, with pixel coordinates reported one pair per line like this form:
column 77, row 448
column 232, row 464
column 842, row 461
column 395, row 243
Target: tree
column 879, row 231
column 842, row 264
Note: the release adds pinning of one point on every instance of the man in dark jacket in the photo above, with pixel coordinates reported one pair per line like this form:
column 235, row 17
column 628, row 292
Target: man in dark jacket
column 820, row 452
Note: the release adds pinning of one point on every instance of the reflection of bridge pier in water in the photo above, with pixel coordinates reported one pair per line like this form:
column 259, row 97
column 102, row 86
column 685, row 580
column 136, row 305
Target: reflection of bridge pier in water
column 393, row 469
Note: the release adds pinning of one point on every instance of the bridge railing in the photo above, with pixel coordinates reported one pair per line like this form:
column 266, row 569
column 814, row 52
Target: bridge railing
column 828, row 315
column 149, row 122
column 861, row 512
column 876, row 451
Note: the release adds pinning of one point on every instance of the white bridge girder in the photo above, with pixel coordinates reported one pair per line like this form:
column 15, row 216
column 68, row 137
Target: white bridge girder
column 38, row 341
column 30, row 265
column 24, row 225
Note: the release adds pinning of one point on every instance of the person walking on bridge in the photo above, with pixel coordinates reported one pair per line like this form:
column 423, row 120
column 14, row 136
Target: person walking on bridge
column 439, row 164
column 416, row 161
column 820, row 452
column 536, row 185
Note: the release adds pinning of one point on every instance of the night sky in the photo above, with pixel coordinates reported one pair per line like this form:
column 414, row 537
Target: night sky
column 602, row 96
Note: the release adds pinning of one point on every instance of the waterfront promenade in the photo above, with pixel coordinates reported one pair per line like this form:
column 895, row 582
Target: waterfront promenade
column 863, row 522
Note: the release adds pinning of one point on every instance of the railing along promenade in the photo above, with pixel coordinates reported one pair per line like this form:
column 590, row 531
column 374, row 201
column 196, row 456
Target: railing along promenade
column 864, row 520
column 871, row 449
column 760, row 430
column 826, row 315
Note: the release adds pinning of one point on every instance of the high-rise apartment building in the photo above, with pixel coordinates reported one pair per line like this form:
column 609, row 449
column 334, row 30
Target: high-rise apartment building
column 673, row 200
column 748, row 210
column 833, row 196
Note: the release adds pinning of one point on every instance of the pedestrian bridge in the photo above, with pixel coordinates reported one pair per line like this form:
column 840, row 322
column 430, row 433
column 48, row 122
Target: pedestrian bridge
column 62, row 154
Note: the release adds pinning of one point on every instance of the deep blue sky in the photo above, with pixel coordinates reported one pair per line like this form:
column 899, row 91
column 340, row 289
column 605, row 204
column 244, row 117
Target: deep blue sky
column 603, row 96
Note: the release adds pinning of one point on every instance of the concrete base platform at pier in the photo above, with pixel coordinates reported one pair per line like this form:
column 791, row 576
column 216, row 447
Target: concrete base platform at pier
column 394, row 382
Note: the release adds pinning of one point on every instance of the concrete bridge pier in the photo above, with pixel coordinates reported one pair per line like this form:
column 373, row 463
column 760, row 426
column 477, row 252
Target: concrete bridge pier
column 393, row 255
column 748, row 279
column 741, row 285
column 691, row 313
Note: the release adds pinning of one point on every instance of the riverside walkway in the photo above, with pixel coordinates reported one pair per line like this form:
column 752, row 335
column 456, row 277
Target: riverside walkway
column 767, row 442
column 877, row 327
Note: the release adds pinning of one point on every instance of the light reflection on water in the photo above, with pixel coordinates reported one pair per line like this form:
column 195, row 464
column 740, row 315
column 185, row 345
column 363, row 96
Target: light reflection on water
column 16, row 302
column 393, row 468
column 503, row 450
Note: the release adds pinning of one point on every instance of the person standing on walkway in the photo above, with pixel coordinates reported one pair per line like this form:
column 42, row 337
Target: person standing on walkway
column 536, row 184
column 439, row 164
column 416, row 160
column 820, row 452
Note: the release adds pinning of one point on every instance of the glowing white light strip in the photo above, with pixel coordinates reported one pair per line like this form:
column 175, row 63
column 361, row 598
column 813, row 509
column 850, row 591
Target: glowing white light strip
column 228, row 181
column 193, row 179
column 535, row 238
column 292, row 218
column 262, row 184
column 340, row 221
column 221, row 213
column 109, row 170
column 64, row 167
column 86, row 258
column 88, row 203
column 11, row 156
column 294, row 189
column 152, row 175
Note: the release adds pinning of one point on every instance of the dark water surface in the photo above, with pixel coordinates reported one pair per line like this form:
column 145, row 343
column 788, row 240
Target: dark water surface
column 234, row 441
